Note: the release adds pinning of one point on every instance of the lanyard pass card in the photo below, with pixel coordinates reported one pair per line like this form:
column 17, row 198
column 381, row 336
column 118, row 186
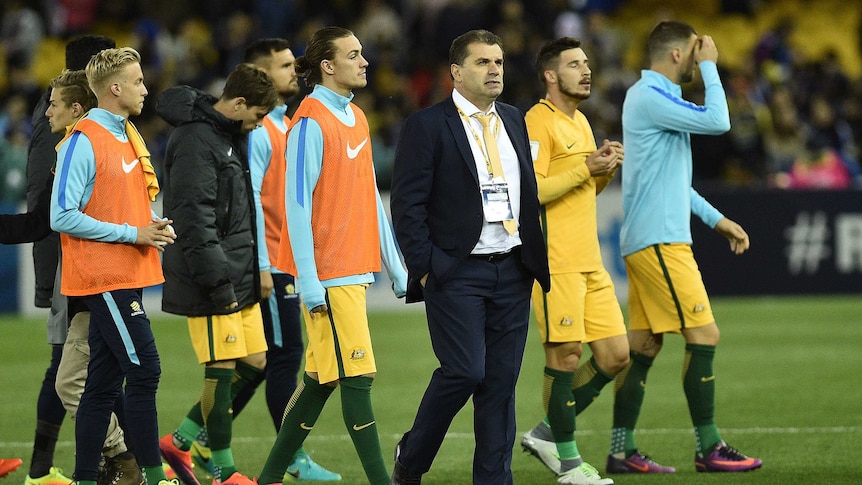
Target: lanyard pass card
column 495, row 202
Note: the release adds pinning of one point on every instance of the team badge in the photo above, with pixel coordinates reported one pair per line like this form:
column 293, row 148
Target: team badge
column 136, row 307
column 357, row 354
column 699, row 308
column 566, row 321
column 231, row 338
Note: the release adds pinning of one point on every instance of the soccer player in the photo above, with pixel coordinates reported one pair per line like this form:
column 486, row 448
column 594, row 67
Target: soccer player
column 581, row 306
column 666, row 291
column 280, row 305
column 41, row 159
column 338, row 233
column 70, row 99
column 211, row 275
column 111, row 239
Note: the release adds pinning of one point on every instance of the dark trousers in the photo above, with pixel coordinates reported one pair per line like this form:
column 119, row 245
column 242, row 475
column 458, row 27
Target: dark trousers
column 282, row 325
column 122, row 347
column 49, row 408
column 478, row 320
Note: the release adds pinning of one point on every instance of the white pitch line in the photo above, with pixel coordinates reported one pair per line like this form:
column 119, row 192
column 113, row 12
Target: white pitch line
column 653, row 431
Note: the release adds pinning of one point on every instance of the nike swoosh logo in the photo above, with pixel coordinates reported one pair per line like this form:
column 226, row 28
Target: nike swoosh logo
column 229, row 151
column 643, row 384
column 569, row 147
column 640, row 468
column 127, row 167
column 570, row 403
column 707, row 379
column 354, row 152
column 360, row 428
column 306, row 427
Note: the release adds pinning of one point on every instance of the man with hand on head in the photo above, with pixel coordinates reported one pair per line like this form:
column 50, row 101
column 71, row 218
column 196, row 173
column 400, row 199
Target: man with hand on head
column 666, row 290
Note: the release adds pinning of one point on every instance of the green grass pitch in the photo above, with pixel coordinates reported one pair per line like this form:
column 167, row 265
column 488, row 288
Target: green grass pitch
column 788, row 391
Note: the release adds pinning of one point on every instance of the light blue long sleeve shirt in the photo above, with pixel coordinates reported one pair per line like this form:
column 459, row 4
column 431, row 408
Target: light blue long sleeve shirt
column 74, row 178
column 658, row 198
column 304, row 163
column 260, row 154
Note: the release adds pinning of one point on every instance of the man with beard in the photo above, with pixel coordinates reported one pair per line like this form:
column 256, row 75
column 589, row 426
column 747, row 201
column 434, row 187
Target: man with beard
column 581, row 306
column 666, row 290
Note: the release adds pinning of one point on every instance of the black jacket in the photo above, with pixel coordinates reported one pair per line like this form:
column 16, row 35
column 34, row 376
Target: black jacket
column 32, row 226
column 41, row 159
column 207, row 193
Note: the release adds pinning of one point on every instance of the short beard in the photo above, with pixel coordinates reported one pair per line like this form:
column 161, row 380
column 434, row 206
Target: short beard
column 576, row 95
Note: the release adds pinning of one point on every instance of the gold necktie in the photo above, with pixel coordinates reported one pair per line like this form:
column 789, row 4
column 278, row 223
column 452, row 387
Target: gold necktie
column 496, row 167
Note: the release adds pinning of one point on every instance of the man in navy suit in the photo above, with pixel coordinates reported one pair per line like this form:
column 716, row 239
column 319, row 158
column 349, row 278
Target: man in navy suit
column 466, row 214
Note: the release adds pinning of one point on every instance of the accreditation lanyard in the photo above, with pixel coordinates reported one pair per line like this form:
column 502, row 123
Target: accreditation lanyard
column 479, row 141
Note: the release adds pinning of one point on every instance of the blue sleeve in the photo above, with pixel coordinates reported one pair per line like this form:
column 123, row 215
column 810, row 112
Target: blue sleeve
column 673, row 113
column 304, row 162
column 260, row 153
column 704, row 210
column 389, row 250
column 73, row 186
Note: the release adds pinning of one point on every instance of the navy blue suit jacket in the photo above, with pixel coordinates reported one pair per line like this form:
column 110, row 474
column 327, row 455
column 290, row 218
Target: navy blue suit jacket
column 436, row 202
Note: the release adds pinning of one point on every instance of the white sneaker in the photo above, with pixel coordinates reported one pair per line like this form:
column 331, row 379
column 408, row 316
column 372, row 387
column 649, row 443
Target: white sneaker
column 545, row 451
column 584, row 474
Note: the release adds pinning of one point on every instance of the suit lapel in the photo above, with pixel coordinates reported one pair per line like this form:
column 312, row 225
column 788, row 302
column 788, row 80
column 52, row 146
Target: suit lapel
column 460, row 136
column 518, row 141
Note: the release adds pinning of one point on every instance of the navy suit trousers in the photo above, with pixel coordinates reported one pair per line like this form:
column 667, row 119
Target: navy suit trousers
column 478, row 319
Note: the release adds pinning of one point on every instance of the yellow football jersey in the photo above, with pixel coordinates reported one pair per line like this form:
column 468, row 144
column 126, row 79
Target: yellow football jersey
column 560, row 146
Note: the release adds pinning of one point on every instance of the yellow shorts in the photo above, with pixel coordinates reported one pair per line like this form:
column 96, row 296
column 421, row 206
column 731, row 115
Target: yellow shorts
column 666, row 292
column 339, row 343
column 228, row 337
column 581, row 307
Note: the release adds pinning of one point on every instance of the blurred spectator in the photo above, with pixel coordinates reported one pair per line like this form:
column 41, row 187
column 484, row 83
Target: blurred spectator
column 748, row 113
column 773, row 56
column 828, row 132
column 21, row 31
column 784, row 139
column 71, row 17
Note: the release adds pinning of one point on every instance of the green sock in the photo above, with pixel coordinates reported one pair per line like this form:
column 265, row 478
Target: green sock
column 629, row 390
column 698, row 381
column 86, row 482
column 216, row 409
column 223, row 463
column 560, row 410
column 154, row 474
column 189, row 429
column 359, row 419
column 589, row 381
column 244, row 375
column 299, row 417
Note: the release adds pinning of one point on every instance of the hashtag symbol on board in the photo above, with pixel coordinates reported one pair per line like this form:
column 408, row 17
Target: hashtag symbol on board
column 807, row 242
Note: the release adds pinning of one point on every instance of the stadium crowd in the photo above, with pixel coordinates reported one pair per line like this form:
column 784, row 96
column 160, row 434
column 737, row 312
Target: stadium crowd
column 797, row 119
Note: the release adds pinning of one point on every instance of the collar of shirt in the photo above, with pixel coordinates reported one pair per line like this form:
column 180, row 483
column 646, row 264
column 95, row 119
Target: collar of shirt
column 278, row 112
column 469, row 108
column 656, row 79
column 331, row 98
column 115, row 124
